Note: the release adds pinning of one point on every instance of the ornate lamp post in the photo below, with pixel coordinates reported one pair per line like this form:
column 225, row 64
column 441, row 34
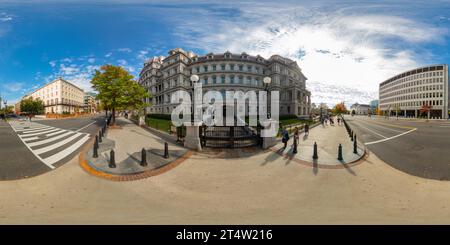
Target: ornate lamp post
column 267, row 81
column 194, row 79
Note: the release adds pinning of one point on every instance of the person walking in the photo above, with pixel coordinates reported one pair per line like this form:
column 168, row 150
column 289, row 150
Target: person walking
column 296, row 136
column 339, row 121
column 306, row 129
column 285, row 137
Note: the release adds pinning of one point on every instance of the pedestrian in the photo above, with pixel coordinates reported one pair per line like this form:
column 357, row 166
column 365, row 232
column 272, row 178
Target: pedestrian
column 339, row 121
column 306, row 129
column 285, row 137
column 296, row 136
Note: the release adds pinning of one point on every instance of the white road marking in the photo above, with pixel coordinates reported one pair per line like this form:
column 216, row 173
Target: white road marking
column 373, row 131
column 384, row 127
column 31, row 138
column 42, row 132
column 36, row 155
column 60, row 155
column 84, row 127
column 57, row 132
column 393, row 137
column 52, row 135
column 54, row 146
column 31, row 128
column 48, row 140
column 35, row 130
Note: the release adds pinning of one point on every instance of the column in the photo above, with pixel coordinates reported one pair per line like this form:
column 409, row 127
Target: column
column 192, row 139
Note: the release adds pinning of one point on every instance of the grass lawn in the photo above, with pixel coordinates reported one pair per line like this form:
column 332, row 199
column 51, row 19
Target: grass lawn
column 286, row 122
column 160, row 124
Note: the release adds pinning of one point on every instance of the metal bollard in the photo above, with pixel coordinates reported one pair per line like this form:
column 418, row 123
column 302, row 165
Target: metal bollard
column 340, row 158
column 143, row 157
column 112, row 159
column 315, row 156
column 166, row 150
column 295, row 146
column 95, row 155
column 355, row 146
column 100, row 137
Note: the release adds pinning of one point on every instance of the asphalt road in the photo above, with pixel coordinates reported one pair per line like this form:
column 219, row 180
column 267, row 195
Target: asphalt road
column 30, row 149
column 416, row 147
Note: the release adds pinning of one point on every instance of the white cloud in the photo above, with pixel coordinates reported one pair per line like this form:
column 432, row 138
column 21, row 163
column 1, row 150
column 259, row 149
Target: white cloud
column 91, row 60
column 125, row 50
column 67, row 60
column 356, row 50
column 108, row 54
column 13, row 87
column 122, row 62
column 4, row 17
column 68, row 70
column 52, row 63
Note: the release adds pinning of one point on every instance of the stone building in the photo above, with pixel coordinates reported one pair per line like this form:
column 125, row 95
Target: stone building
column 162, row 76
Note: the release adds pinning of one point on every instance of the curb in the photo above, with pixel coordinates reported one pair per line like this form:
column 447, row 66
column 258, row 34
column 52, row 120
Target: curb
column 129, row 177
column 358, row 161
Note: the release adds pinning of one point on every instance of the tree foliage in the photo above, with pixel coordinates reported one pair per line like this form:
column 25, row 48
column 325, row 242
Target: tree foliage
column 117, row 89
column 339, row 109
column 31, row 106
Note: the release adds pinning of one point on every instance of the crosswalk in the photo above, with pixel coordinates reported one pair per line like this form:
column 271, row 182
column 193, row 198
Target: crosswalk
column 47, row 143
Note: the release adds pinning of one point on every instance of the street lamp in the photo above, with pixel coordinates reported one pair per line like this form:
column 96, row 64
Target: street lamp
column 194, row 79
column 267, row 81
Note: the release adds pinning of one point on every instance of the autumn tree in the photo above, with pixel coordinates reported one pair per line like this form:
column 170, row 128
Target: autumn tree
column 339, row 109
column 117, row 89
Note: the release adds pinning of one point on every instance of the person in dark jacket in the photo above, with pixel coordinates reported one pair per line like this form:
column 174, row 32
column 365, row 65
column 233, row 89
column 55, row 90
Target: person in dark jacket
column 285, row 137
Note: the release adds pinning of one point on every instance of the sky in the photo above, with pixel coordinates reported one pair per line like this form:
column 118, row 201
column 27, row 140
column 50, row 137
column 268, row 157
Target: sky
column 344, row 48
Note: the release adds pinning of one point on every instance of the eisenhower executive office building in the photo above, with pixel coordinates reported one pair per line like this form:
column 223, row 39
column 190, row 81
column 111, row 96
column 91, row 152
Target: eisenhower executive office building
column 162, row 76
column 410, row 91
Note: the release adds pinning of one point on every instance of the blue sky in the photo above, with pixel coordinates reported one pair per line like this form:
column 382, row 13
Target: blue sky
column 345, row 48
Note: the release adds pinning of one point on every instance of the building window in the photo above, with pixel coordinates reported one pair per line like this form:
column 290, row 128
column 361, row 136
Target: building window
column 241, row 79
column 198, row 69
column 222, row 79
column 222, row 67
column 205, row 68
column 232, row 79
column 249, row 68
column 205, row 80
column 232, row 67
column 214, row 67
column 214, row 79
column 241, row 67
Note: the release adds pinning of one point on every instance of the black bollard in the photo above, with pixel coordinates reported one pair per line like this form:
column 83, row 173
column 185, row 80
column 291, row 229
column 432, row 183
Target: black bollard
column 295, row 146
column 100, row 137
column 166, row 150
column 351, row 135
column 112, row 160
column 143, row 157
column 355, row 146
column 315, row 156
column 340, row 153
column 95, row 155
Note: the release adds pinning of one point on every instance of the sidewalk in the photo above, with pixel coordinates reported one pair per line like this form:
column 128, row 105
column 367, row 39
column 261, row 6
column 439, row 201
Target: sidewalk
column 328, row 139
column 127, row 141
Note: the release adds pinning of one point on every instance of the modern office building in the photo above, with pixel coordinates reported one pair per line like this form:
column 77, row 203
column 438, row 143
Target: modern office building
column 60, row 96
column 407, row 93
column 161, row 76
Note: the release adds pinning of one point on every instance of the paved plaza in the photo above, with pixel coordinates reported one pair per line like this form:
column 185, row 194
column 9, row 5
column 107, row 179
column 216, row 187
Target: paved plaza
column 263, row 188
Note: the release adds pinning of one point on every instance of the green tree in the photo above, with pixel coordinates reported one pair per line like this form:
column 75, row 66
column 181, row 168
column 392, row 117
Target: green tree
column 31, row 106
column 117, row 89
